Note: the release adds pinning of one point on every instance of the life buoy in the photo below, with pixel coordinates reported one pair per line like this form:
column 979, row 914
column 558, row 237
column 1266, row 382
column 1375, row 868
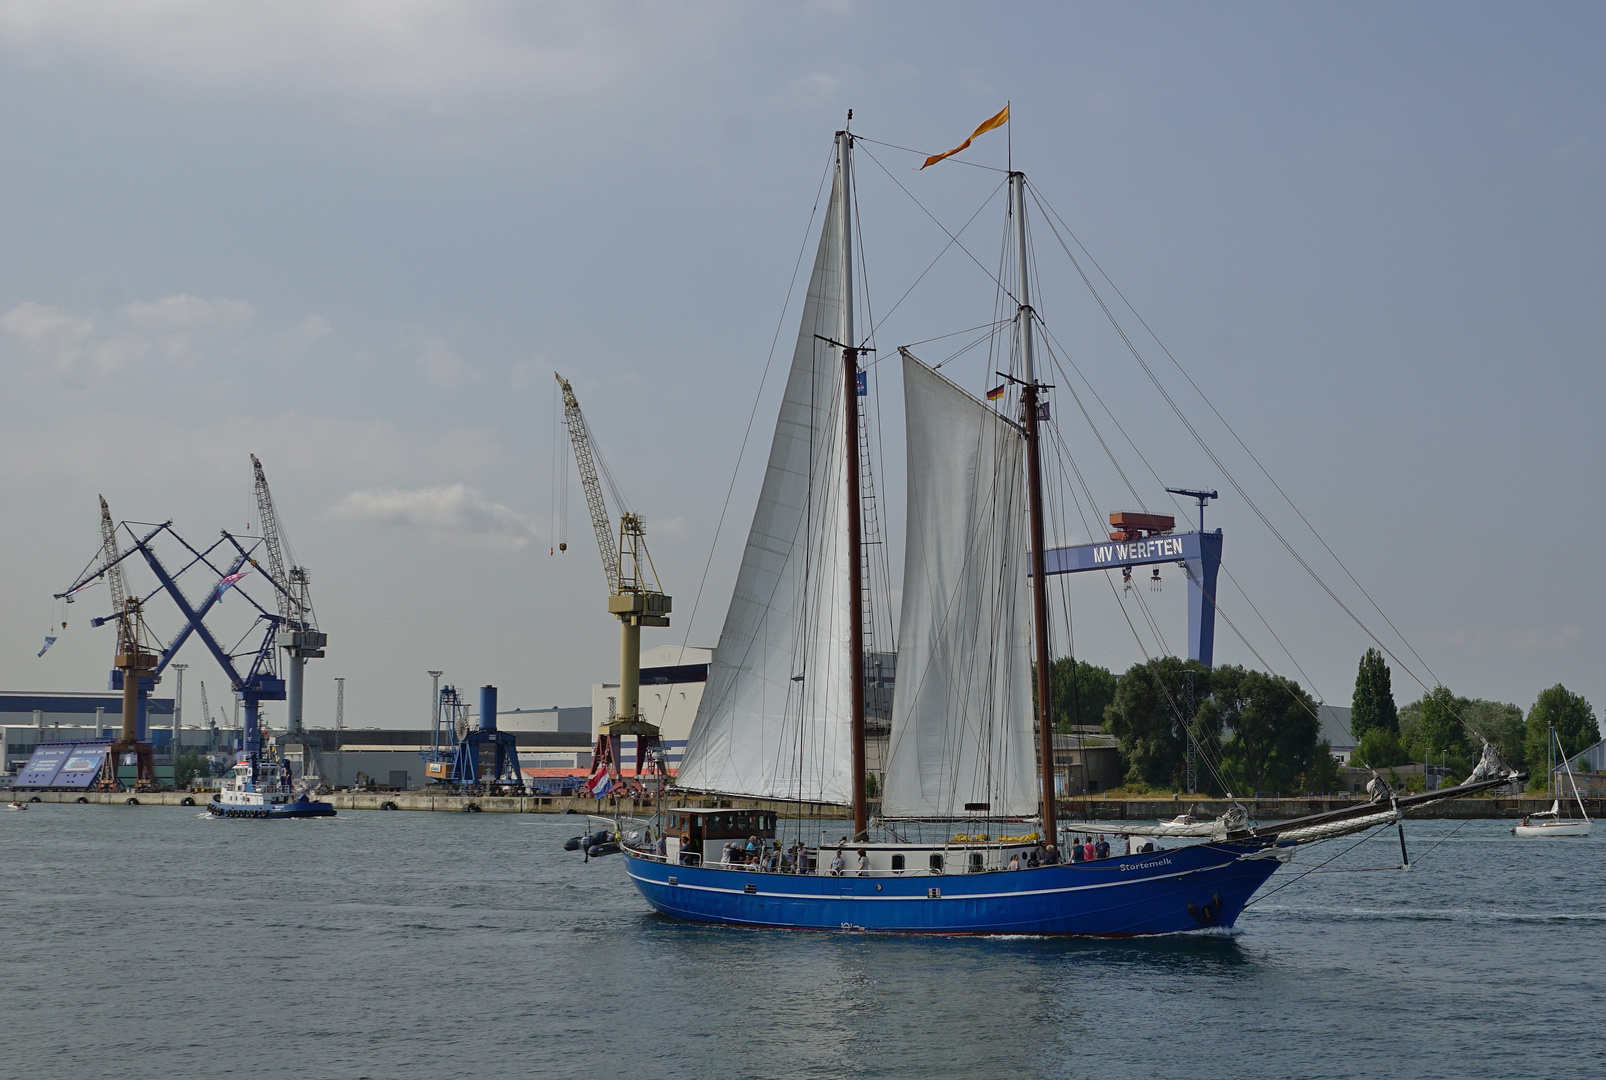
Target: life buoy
column 186, row 801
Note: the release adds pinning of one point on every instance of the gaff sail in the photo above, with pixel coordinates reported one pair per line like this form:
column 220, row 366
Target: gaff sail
column 775, row 718
column 962, row 707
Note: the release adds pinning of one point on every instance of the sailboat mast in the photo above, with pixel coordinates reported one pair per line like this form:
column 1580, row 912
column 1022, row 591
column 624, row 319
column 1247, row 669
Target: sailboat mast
column 1034, row 498
column 850, row 434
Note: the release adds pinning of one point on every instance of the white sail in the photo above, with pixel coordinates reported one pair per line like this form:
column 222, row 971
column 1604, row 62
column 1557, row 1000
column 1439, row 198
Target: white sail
column 774, row 720
column 962, row 706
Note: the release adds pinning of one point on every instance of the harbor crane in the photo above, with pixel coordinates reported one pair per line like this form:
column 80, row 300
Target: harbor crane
column 134, row 666
column 298, row 632
column 635, row 598
column 223, row 564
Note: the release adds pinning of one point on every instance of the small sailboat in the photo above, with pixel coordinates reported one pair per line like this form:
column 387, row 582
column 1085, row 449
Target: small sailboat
column 1550, row 822
column 967, row 840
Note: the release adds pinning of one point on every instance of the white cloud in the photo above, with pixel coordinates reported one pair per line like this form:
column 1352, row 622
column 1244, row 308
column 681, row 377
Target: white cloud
column 93, row 448
column 174, row 325
column 180, row 328
column 50, row 334
column 437, row 361
column 454, row 512
column 419, row 49
column 310, row 329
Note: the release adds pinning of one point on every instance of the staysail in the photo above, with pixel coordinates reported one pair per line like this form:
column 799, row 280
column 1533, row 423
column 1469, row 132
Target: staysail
column 774, row 720
column 962, row 707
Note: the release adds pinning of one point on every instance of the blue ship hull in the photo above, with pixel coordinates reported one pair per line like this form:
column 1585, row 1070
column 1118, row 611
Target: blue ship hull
column 300, row 808
column 1166, row 892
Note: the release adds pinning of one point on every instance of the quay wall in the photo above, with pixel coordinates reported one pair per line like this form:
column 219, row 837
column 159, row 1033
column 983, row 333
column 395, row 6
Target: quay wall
column 1070, row 810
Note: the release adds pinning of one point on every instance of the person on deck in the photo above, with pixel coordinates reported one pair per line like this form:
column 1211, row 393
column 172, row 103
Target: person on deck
column 1014, row 861
column 1089, row 852
column 1102, row 848
column 1051, row 854
column 838, row 865
column 1076, row 849
column 864, row 863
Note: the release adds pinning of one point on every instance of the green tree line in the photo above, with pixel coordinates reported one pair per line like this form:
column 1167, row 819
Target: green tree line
column 1442, row 726
column 1260, row 732
column 1254, row 731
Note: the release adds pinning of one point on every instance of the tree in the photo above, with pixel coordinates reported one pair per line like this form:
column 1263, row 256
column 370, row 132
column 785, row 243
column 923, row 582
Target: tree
column 1502, row 725
column 189, row 765
column 1323, row 773
column 1573, row 718
column 1440, row 729
column 1081, row 692
column 1379, row 749
column 1275, row 729
column 1145, row 716
column 1373, row 703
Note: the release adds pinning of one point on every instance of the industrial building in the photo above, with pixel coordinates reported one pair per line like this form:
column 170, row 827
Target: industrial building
column 551, row 743
column 28, row 719
column 672, row 681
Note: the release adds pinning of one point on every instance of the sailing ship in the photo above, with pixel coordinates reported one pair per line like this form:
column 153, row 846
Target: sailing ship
column 967, row 798
column 1550, row 822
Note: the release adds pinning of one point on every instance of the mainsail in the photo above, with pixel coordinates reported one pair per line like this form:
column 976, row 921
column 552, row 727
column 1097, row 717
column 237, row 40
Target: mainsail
column 774, row 721
column 962, row 707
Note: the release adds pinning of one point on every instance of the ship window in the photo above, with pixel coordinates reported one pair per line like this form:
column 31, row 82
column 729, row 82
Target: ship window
column 897, row 862
column 936, row 862
column 975, row 861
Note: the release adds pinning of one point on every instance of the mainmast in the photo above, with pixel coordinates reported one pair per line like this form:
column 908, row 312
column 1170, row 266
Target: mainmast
column 850, row 433
column 1034, row 490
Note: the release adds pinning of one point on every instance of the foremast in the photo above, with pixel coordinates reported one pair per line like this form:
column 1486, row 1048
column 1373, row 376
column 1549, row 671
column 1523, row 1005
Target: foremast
column 850, row 434
column 1030, row 396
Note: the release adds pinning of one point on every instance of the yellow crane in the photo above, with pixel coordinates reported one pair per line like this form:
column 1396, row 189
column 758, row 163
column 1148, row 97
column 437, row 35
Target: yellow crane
column 635, row 598
column 136, row 660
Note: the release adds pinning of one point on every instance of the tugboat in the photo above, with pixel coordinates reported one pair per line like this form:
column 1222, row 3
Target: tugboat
column 264, row 789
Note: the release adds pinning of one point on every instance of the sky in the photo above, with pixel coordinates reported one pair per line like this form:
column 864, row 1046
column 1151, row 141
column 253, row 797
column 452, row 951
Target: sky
column 357, row 238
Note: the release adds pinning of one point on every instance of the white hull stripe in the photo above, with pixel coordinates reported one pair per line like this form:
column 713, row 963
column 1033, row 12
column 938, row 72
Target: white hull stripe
column 935, row 877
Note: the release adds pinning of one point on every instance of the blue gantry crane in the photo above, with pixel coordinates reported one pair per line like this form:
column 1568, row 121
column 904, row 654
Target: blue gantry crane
column 223, row 566
column 466, row 757
column 1141, row 539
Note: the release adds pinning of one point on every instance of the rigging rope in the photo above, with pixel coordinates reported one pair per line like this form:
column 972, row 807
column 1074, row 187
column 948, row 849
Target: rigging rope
column 1318, row 866
column 758, row 397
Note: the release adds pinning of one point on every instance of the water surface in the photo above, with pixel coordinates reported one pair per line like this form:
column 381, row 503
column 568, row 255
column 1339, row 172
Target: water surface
column 149, row 942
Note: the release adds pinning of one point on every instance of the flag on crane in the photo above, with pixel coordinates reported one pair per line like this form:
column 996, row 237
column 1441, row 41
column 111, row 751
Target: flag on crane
column 599, row 784
column 232, row 579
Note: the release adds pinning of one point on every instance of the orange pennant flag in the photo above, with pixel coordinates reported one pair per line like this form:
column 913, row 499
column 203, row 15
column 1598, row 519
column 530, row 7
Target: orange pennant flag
column 987, row 125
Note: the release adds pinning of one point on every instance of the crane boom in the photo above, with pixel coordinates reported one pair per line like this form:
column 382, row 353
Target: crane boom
column 269, row 519
column 298, row 630
column 114, row 578
column 585, row 459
